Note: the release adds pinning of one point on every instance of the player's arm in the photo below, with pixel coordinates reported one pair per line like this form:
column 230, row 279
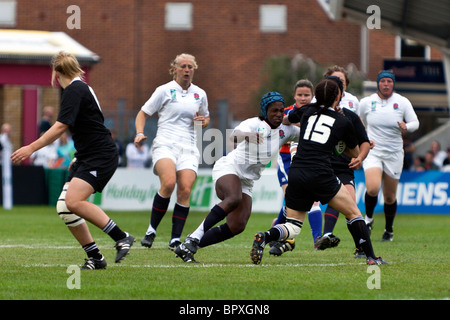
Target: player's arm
column 204, row 120
column 363, row 141
column 352, row 147
column 237, row 136
column 356, row 162
column 140, row 124
column 47, row 138
column 411, row 122
column 352, row 153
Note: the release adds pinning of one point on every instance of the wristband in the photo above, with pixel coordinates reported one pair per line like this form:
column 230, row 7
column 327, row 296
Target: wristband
column 139, row 134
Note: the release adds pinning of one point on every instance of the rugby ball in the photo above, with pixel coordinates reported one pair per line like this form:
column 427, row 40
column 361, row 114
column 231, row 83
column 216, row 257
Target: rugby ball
column 339, row 148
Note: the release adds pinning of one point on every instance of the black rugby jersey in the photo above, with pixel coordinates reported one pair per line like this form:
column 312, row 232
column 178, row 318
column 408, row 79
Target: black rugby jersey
column 81, row 112
column 341, row 162
column 319, row 133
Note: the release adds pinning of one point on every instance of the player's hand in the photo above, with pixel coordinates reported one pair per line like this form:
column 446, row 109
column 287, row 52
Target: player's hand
column 286, row 121
column 201, row 119
column 355, row 163
column 139, row 140
column 21, row 154
column 402, row 125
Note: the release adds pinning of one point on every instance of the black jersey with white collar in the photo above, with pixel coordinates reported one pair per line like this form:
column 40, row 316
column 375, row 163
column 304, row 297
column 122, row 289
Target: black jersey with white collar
column 319, row 133
column 81, row 111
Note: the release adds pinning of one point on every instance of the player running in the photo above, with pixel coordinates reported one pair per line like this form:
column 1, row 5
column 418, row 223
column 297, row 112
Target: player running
column 311, row 176
column 259, row 140
column 386, row 115
column 303, row 94
column 96, row 161
column 343, row 165
column 180, row 105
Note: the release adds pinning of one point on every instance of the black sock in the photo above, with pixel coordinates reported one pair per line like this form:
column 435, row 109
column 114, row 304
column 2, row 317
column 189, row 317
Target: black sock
column 216, row 235
column 273, row 234
column 389, row 212
column 159, row 209
column 359, row 230
column 355, row 239
column 179, row 217
column 216, row 215
column 114, row 231
column 330, row 216
column 92, row 251
column 370, row 203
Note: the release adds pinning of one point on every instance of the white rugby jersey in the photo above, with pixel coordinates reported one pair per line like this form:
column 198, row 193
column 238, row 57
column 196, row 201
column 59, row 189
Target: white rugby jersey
column 350, row 102
column 250, row 159
column 176, row 110
column 381, row 116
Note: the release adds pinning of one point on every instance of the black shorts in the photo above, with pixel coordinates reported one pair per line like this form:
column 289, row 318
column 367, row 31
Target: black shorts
column 308, row 185
column 97, row 172
column 346, row 177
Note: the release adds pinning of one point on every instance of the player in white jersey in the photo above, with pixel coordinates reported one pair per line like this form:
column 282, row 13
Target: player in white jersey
column 386, row 115
column 259, row 140
column 181, row 107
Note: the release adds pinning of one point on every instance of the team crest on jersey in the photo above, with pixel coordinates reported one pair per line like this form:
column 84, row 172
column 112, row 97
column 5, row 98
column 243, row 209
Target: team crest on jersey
column 374, row 105
column 196, row 96
column 262, row 131
column 281, row 132
column 395, row 106
column 173, row 94
column 350, row 104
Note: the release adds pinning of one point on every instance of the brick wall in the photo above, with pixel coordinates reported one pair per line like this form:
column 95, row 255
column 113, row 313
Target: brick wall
column 135, row 48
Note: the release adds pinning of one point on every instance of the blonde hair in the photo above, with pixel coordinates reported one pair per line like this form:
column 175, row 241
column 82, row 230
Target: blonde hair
column 66, row 64
column 178, row 58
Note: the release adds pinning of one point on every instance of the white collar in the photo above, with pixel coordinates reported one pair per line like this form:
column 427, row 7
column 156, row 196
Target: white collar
column 75, row 79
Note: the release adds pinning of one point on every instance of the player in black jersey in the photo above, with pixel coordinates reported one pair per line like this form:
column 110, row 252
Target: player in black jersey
column 311, row 176
column 344, row 167
column 96, row 161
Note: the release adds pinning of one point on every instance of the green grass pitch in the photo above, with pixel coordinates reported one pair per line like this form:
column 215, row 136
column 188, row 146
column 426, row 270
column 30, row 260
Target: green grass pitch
column 37, row 250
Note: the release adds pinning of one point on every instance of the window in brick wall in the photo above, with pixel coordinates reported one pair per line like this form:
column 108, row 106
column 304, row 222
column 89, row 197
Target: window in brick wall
column 272, row 18
column 179, row 16
column 8, row 13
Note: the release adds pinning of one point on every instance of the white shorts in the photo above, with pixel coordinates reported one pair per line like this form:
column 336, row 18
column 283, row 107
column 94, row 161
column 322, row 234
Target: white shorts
column 391, row 163
column 184, row 158
column 223, row 167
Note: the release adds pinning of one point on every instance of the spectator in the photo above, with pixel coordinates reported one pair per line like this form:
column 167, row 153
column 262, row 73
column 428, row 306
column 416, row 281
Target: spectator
column 47, row 119
column 5, row 141
column 408, row 148
column 45, row 156
column 446, row 163
column 119, row 146
column 429, row 163
column 438, row 154
column 137, row 156
column 418, row 165
column 65, row 151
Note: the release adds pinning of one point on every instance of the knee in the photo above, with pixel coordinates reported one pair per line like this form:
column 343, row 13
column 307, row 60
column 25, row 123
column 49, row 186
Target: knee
column 168, row 186
column 183, row 192
column 293, row 227
column 231, row 202
column 65, row 213
column 372, row 191
column 389, row 199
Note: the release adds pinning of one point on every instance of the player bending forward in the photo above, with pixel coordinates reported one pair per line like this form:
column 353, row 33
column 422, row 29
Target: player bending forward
column 311, row 176
column 259, row 140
